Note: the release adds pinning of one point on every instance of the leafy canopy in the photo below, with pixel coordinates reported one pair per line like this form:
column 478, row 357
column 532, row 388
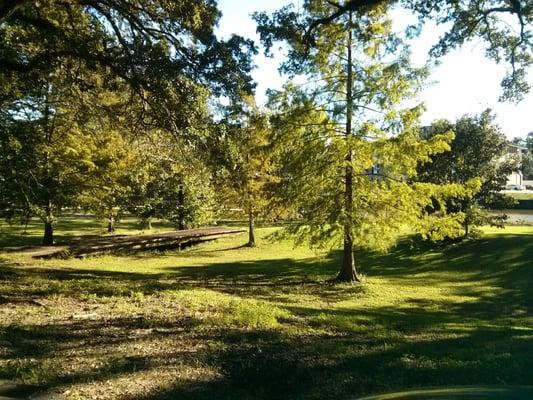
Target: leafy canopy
column 504, row 26
column 333, row 128
column 164, row 51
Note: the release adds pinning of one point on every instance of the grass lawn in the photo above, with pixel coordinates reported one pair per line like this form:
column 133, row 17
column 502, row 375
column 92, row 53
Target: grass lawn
column 68, row 229
column 520, row 196
column 221, row 322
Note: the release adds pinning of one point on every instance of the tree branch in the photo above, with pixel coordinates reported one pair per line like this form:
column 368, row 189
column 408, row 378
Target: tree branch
column 352, row 5
column 8, row 7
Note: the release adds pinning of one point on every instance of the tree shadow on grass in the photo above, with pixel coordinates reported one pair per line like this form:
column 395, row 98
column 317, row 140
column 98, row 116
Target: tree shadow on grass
column 249, row 278
column 499, row 262
column 484, row 257
column 266, row 364
column 347, row 366
column 495, row 271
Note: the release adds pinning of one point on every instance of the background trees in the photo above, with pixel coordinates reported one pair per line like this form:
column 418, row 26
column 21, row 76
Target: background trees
column 109, row 105
column 166, row 52
column 47, row 154
column 84, row 76
column 244, row 162
column 170, row 180
column 477, row 151
column 527, row 156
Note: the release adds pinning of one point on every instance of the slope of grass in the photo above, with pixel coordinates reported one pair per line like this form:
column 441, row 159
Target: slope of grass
column 226, row 322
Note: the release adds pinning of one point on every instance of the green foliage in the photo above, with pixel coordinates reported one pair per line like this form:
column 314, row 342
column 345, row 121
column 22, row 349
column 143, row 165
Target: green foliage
column 48, row 153
column 169, row 180
column 79, row 79
column 347, row 122
column 164, row 51
column 478, row 151
column 244, row 162
column 503, row 26
column 114, row 160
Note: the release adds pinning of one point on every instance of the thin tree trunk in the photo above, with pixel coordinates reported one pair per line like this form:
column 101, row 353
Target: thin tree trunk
column 348, row 272
column 251, row 234
column 48, row 237
column 181, row 207
column 145, row 223
column 466, row 208
column 26, row 221
column 111, row 224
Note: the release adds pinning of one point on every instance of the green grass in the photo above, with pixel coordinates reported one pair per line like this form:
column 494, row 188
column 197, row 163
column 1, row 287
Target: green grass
column 68, row 229
column 520, row 196
column 219, row 321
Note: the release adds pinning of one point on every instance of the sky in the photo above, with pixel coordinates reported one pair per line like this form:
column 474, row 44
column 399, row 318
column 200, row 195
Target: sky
column 465, row 82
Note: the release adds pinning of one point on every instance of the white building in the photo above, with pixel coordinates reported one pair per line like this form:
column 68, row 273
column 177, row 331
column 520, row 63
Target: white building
column 515, row 151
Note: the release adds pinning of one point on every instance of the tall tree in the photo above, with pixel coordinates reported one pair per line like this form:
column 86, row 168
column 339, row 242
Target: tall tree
column 477, row 151
column 45, row 154
column 350, row 148
column 247, row 162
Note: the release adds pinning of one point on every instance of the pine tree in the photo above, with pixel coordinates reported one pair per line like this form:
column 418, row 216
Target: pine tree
column 350, row 148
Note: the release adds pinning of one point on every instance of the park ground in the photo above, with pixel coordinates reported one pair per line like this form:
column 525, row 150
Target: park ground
column 220, row 321
column 520, row 195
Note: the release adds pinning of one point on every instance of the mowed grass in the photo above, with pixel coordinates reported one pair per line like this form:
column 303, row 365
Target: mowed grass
column 520, row 196
column 70, row 228
column 219, row 321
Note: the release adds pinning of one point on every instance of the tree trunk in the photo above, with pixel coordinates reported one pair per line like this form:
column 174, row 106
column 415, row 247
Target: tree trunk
column 181, row 207
column 111, row 225
column 27, row 218
column 48, row 238
column 251, row 234
column 146, row 223
column 348, row 272
column 466, row 208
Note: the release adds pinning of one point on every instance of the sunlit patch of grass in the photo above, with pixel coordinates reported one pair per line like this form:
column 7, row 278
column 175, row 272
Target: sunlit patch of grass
column 224, row 310
column 520, row 196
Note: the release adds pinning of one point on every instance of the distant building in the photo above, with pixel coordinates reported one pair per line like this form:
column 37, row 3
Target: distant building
column 515, row 151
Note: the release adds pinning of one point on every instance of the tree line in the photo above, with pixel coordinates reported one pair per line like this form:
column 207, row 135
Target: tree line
column 114, row 106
